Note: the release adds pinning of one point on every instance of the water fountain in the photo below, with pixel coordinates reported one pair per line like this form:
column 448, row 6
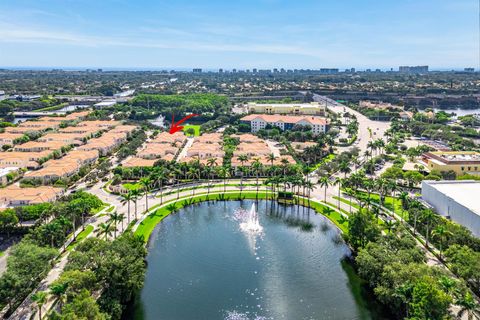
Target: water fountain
column 250, row 222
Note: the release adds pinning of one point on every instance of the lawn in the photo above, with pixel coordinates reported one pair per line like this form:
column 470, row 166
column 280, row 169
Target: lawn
column 195, row 127
column 132, row 186
column 148, row 224
column 82, row 235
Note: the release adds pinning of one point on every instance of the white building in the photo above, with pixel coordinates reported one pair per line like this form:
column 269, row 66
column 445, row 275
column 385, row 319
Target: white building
column 2, row 95
column 260, row 121
column 455, row 200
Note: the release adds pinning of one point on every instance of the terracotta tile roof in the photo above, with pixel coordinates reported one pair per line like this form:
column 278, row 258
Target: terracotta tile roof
column 138, row 162
column 15, row 195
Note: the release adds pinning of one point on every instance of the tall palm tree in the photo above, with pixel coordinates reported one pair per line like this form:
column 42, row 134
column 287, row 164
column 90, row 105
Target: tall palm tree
column 193, row 173
column 344, row 168
column 441, row 233
column 104, row 229
column 224, row 174
column 159, row 177
column 136, row 193
column 126, row 199
column 114, row 218
column 257, row 167
column 338, row 182
column 428, row 216
column 324, row 183
column 271, row 157
column 310, row 187
column 40, row 298
column 146, row 184
column 242, row 158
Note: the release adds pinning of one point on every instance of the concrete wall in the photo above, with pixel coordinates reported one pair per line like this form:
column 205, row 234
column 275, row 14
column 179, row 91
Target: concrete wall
column 448, row 207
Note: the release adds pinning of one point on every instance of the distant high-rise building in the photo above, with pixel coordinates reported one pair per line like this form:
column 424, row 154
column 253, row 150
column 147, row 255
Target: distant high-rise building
column 197, row 70
column 415, row 69
column 220, row 70
column 275, row 70
column 469, row 69
column 328, row 70
column 255, row 70
column 368, row 70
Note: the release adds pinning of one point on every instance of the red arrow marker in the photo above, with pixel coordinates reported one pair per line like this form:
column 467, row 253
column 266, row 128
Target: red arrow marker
column 177, row 126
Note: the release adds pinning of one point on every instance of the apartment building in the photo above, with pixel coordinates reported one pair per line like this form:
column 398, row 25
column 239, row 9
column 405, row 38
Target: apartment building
column 260, row 121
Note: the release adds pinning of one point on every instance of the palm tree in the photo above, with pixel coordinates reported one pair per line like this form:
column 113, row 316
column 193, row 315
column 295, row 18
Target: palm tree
column 211, row 163
column 59, row 292
column 310, row 187
column 146, row 186
column 40, row 298
column 441, row 232
column 338, row 182
column 428, row 216
column 135, row 195
column 104, row 229
column 73, row 214
column 344, row 167
column 391, row 225
column 403, row 196
column 271, row 157
column 468, row 305
column 159, row 177
column 193, row 174
column 126, row 199
column 324, row 183
column 257, row 166
column 224, row 174
column 114, row 218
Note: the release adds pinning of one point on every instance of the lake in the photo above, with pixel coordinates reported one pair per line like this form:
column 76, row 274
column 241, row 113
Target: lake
column 203, row 264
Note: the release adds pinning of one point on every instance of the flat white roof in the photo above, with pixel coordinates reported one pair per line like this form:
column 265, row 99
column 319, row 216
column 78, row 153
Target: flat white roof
column 466, row 192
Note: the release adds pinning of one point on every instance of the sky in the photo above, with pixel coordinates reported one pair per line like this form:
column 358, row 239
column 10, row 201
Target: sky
column 210, row 34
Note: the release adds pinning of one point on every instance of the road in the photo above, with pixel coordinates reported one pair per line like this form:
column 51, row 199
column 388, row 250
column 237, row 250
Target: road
column 378, row 127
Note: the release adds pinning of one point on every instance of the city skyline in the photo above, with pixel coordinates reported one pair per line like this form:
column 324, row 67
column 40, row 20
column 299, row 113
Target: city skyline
column 261, row 34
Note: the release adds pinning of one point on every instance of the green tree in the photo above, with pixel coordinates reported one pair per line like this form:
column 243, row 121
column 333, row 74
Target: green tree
column 40, row 298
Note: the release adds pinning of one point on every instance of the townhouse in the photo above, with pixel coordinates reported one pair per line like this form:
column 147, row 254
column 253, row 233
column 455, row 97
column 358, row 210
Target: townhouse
column 13, row 195
column 64, row 167
column 37, row 146
column 27, row 160
column 9, row 138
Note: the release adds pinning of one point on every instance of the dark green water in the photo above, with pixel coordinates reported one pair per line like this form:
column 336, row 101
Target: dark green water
column 201, row 265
